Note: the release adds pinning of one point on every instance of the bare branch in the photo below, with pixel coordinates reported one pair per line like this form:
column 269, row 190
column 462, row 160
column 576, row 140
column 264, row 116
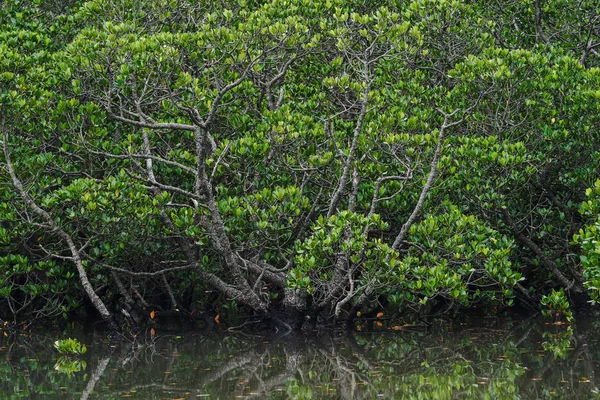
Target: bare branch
column 378, row 184
column 335, row 199
column 149, row 125
column 427, row 187
column 83, row 278
column 219, row 159
column 144, row 156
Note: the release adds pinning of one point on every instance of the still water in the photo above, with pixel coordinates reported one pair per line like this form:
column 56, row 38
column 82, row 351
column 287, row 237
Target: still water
column 489, row 359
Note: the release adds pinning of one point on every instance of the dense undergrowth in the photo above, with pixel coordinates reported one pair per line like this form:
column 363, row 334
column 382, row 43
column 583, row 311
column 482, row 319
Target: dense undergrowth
column 296, row 159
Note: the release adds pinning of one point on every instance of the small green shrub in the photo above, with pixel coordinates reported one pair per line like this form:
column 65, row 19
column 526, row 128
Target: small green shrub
column 70, row 347
column 557, row 304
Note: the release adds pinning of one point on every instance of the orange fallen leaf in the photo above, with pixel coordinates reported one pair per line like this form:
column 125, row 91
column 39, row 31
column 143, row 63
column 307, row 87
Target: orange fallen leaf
column 379, row 323
column 217, row 319
column 152, row 314
column 396, row 328
column 152, row 332
column 379, row 314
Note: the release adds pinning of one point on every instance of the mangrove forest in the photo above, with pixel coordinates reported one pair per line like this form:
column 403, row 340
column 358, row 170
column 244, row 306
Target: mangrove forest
column 298, row 162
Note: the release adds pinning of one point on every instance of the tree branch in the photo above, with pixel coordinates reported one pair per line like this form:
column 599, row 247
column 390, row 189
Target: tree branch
column 83, row 278
column 427, row 187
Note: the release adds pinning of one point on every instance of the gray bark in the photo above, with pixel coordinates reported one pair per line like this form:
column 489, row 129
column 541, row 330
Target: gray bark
column 428, row 184
column 53, row 227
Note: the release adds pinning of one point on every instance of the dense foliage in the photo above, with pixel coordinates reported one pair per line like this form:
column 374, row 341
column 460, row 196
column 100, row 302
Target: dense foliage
column 298, row 159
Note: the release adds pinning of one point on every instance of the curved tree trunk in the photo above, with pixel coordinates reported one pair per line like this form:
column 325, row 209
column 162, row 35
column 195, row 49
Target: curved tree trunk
column 51, row 225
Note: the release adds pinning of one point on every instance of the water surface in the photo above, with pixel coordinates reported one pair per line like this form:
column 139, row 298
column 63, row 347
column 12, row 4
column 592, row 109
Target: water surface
column 488, row 358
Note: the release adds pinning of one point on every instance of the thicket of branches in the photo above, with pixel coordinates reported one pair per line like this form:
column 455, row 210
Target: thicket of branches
column 298, row 159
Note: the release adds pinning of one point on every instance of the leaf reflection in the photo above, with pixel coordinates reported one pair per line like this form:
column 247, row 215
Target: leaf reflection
column 499, row 361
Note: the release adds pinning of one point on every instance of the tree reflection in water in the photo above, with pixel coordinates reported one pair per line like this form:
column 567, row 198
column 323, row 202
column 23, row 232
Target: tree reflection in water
column 499, row 361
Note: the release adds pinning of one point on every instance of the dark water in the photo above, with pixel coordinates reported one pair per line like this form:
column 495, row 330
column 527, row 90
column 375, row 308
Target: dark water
column 489, row 359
